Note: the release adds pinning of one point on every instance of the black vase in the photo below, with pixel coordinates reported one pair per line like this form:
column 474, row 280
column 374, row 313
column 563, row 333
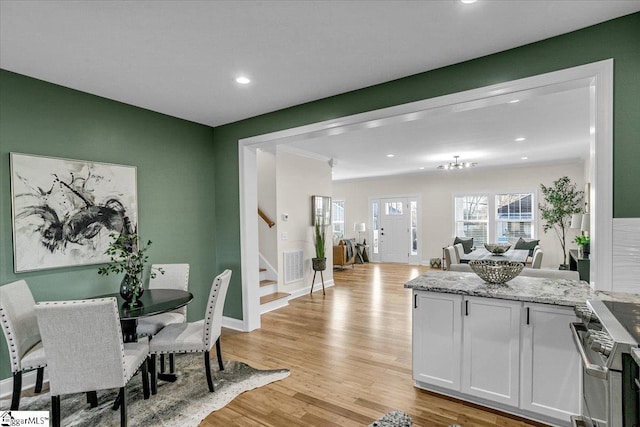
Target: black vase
column 131, row 289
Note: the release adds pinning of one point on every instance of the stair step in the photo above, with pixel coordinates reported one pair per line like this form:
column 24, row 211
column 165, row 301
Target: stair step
column 267, row 282
column 272, row 297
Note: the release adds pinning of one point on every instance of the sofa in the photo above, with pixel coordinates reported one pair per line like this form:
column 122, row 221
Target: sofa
column 344, row 253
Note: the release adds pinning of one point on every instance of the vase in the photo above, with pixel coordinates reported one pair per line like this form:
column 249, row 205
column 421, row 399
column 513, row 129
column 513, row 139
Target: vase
column 319, row 264
column 131, row 289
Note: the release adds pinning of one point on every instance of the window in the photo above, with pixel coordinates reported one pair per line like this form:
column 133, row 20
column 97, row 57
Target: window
column 337, row 207
column 414, row 227
column 393, row 208
column 514, row 216
column 472, row 217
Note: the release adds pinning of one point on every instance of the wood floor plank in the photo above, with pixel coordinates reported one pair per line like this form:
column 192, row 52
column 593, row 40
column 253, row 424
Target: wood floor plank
column 349, row 353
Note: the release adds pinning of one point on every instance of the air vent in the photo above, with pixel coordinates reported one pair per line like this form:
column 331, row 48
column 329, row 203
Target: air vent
column 293, row 262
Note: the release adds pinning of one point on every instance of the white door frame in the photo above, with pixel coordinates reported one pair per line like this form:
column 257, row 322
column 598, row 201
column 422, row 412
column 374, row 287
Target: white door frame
column 598, row 76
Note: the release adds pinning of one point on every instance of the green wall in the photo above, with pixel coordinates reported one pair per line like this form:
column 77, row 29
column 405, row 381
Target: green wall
column 175, row 173
column 618, row 39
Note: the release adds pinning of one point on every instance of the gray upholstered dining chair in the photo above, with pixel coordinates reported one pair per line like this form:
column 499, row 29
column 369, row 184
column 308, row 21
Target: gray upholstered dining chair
column 176, row 276
column 537, row 259
column 85, row 351
column 459, row 251
column 194, row 337
column 20, row 327
column 450, row 256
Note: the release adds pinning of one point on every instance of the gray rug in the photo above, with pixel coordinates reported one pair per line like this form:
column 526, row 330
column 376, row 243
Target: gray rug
column 393, row 419
column 183, row 403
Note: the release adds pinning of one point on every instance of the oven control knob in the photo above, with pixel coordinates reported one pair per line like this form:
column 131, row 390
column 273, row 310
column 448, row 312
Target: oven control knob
column 606, row 350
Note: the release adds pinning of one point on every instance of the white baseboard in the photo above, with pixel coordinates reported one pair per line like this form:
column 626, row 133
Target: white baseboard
column 28, row 383
column 305, row 291
column 235, row 324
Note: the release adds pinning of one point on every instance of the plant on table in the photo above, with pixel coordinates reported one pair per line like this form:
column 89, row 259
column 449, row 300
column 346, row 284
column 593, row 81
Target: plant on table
column 561, row 200
column 128, row 256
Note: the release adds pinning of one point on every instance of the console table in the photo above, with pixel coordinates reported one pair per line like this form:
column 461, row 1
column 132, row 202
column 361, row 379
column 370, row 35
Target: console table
column 581, row 265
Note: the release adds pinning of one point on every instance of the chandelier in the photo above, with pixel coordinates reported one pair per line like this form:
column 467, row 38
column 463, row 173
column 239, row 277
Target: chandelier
column 456, row 165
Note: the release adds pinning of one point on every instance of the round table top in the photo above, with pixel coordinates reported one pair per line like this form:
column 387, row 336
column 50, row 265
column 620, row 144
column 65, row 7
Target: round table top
column 152, row 301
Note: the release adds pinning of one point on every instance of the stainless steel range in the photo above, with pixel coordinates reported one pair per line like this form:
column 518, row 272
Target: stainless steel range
column 605, row 338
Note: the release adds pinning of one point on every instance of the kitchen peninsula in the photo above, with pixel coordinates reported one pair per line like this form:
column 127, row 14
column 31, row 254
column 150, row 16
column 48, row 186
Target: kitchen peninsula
column 506, row 346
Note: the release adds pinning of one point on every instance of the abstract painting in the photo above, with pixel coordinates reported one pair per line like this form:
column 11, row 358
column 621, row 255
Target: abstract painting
column 64, row 211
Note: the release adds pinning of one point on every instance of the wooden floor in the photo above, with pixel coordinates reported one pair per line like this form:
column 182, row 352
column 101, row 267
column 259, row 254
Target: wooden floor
column 349, row 353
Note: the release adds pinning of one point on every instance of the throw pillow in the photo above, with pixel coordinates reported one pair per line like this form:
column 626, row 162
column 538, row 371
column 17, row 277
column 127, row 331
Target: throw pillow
column 528, row 244
column 467, row 243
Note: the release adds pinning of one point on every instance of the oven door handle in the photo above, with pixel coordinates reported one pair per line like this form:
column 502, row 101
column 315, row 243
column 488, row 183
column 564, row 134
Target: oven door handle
column 592, row 369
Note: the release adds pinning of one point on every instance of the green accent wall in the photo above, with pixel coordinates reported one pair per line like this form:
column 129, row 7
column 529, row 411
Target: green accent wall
column 618, row 39
column 175, row 173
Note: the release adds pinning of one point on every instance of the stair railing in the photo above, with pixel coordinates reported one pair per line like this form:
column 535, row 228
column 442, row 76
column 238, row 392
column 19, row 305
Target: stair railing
column 266, row 218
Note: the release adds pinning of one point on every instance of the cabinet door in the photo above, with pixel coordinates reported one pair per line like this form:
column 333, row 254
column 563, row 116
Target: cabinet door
column 491, row 349
column 437, row 339
column 550, row 380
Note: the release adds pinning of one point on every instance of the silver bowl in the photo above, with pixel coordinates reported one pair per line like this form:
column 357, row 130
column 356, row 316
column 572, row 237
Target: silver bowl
column 497, row 248
column 496, row 272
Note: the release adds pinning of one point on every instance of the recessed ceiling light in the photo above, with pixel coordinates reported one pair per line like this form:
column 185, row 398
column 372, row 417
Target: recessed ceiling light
column 243, row 80
column 524, row 158
column 468, row 1
column 421, row 167
column 520, row 139
column 391, row 155
column 513, row 101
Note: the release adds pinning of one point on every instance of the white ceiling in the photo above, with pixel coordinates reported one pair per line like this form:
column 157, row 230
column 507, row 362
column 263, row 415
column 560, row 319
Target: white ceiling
column 181, row 57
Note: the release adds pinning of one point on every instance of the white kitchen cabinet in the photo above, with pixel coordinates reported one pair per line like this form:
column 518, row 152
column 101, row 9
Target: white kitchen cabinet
column 550, row 365
column 437, row 339
column 491, row 349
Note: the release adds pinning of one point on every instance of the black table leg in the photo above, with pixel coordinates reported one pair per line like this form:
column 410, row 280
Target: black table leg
column 129, row 327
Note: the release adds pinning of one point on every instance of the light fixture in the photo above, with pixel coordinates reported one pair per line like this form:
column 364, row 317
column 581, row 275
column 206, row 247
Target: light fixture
column 360, row 228
column 513, row 101
column 456, row 165
column 243, row 80
column 585, row 225
column 524, row 158
column 468, row 1
column 520, row 139
column 391, row 155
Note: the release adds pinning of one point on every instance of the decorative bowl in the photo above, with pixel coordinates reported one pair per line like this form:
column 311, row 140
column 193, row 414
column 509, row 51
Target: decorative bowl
column 496, row 272
column 497, row 248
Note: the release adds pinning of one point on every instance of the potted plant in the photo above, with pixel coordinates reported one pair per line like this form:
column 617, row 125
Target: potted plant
column 583, row 245
column 319, row 263
column 561, row 200
column 128, row 257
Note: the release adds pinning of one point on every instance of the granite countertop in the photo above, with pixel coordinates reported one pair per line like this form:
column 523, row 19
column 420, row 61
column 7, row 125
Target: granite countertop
column 526, row 289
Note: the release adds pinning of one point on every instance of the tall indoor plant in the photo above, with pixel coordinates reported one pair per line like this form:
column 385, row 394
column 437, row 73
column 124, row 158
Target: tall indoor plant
column 128, row 256
column 319, row 240
column 561, row 200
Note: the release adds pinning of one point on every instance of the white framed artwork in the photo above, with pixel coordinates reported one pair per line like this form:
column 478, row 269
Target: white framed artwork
column 64, row 211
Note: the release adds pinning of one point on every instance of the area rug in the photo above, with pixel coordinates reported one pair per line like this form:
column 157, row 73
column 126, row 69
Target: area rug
column 182, row 403
column 393, row 419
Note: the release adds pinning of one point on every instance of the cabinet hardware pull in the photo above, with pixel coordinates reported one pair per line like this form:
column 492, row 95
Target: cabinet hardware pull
column 466, row 307
column 527, row 315
column 415, row 300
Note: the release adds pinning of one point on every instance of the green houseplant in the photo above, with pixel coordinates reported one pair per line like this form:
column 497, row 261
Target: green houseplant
column 583, row 243
column 319, row 241
column 128, row 256
column 561, row 200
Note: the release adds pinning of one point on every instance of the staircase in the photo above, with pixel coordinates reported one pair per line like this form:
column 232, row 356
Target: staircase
column 270, row 298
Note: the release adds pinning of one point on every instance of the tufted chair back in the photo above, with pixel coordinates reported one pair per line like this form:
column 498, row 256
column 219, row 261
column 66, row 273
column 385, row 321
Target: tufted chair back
column 19, row 322
column 213, row 312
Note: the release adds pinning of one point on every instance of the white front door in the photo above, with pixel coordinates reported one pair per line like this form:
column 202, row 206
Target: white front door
column 395, row 242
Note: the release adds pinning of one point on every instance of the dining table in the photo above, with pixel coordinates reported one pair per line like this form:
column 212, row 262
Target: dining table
column 516, row 255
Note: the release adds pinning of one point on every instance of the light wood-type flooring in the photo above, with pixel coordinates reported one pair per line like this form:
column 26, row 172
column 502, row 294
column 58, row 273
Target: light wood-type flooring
column 349, row 353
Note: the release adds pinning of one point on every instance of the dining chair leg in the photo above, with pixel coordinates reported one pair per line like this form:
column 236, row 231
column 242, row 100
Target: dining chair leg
column 207, row 368
column 172, row 364
column 17, row 389
column 39, row 380
column 144, row 371
column 123, row 407
column 55, row 411
column 92, row 398
column 152, row 373
column 219, row 353
column 162, row 367
column 118, row 402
